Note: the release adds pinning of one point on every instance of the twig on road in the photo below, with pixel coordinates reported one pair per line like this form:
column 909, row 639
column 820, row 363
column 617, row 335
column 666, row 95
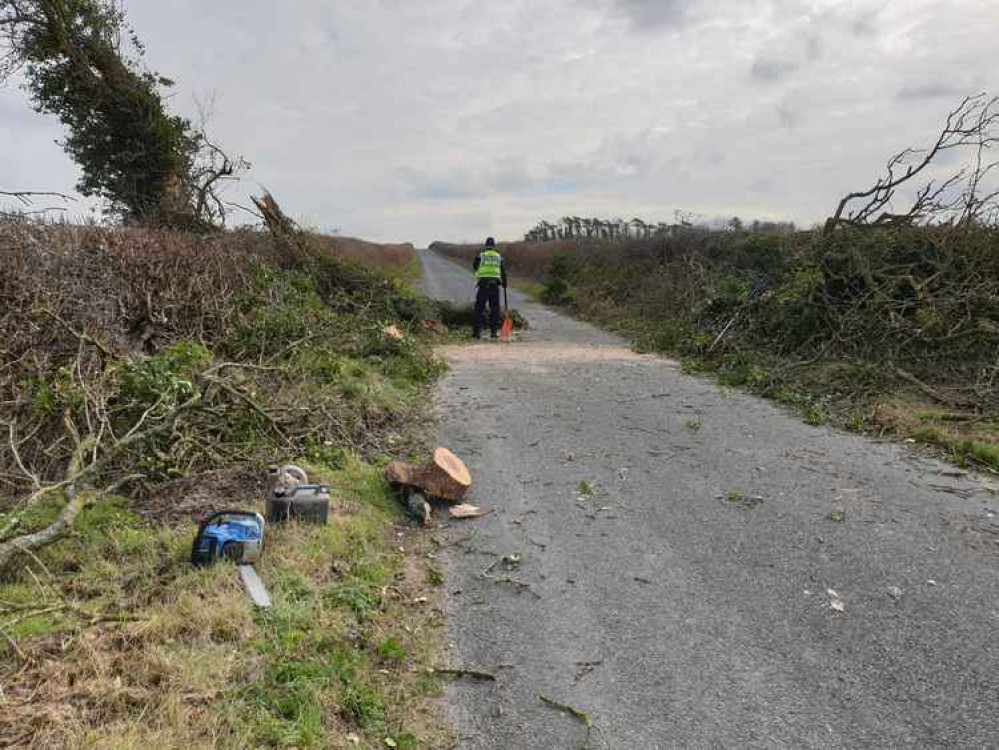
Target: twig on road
column 581, row 716
column 477, row 674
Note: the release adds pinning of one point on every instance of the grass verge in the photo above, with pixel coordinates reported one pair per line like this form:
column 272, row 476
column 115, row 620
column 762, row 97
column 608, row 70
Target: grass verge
column 341, row 655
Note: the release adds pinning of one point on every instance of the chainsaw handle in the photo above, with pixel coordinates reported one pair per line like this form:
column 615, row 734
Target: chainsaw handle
column 207, row 520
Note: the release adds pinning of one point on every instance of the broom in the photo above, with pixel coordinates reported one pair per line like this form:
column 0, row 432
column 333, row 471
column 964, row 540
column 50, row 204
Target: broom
column 507, row 327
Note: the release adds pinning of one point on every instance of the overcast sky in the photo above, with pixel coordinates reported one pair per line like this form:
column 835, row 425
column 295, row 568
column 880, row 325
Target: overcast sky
column 454, row 119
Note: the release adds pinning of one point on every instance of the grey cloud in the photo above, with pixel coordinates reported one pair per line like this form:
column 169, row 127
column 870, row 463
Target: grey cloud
column 654, row 13
column 452, row 185
column 772, row 71
column 511, row 176
column 865, row 24
column 814, row 47
column 928, row 90
column 788, row 117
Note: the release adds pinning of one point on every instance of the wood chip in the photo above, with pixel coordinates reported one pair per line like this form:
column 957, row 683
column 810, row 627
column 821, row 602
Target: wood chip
column 466, row 511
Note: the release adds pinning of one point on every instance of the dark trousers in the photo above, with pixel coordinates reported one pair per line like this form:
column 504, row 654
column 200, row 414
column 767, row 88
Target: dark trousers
column 489, row 291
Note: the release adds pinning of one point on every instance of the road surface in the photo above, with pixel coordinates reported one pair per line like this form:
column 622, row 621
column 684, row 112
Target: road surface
column 701, row 595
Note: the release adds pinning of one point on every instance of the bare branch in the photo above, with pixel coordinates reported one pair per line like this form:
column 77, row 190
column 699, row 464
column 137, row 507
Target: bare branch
column 972, row 124
column 27, row 196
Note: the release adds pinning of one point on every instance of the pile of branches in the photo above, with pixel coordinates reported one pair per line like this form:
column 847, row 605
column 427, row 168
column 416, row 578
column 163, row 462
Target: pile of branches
column 130, row 357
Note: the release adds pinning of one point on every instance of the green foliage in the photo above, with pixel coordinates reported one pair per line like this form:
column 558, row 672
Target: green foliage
column 131, row 152
column 390, row 650
column 559, row 289
column 765, row 255
column 361, row 590
column 434, row 576
column 962, row 449
column 165, row 379
column 50, row 396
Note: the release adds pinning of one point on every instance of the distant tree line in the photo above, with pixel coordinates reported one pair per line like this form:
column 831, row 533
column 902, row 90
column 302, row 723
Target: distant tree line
column 573, row 227
column 576, row 227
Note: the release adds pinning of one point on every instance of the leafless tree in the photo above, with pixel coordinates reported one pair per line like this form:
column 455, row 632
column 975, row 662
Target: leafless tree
column 972, row 124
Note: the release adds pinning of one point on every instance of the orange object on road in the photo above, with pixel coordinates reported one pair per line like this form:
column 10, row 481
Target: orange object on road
column 507, row 327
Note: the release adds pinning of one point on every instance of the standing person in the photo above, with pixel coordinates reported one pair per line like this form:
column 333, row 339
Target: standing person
column 490, row 270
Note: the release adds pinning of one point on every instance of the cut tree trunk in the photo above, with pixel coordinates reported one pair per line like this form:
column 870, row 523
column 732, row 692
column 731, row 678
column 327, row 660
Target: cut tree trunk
column 399, row 474
column 444, row 477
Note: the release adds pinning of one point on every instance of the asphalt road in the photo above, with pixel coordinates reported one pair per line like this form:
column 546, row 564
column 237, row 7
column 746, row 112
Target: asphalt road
column 690, row 600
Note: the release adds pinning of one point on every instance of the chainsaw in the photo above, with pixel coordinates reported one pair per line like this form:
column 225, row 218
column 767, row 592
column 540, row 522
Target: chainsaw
column 235, row 536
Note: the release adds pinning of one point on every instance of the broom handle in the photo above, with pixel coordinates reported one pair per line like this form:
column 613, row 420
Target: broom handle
column 506, row 300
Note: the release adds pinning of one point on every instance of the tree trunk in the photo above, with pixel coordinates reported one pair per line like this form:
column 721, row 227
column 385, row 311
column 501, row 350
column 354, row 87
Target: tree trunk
column 444, row 477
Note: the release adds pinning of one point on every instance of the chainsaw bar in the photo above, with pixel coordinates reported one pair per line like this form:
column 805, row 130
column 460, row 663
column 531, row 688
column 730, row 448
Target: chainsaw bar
column 254, row 586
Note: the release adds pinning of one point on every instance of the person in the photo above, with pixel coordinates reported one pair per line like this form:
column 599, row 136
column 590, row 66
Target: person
column 490, row 270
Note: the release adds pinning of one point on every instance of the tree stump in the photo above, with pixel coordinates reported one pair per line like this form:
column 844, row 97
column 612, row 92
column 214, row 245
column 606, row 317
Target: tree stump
column 399, row 474
column 443, row 477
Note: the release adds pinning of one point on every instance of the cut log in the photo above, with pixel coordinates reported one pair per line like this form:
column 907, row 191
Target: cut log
column 399, row 473
column 445, row 476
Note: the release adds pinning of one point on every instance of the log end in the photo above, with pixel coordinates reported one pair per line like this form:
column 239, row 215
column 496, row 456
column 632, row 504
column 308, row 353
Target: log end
column 399, row 473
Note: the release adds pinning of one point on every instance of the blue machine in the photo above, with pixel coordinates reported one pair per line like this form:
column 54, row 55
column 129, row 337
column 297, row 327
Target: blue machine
column 234, row 535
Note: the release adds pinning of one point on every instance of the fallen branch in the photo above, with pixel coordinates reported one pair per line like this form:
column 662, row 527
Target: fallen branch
column 521, row 585
column 477, row 674
column 927, row 389
column 581, row 716
column 76, row 471
column 81, row 336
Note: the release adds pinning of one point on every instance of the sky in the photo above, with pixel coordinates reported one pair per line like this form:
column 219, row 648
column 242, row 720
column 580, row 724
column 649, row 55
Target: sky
column 396, row 120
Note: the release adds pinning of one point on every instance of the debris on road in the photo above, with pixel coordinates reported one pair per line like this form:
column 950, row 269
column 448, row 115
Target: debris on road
column 581, row 716
column 466, row 511
column 443, row 477
column 836, row 603
column 895, row 592
column 477, row 674
column 510, row 563
column 585, row 668
column 749, row 502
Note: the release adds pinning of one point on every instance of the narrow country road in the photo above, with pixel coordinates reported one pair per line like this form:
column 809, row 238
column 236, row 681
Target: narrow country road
column 693, row 598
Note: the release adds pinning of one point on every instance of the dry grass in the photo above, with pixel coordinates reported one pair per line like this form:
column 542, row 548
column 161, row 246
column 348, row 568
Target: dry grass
column 202, row 669
column 400, row 258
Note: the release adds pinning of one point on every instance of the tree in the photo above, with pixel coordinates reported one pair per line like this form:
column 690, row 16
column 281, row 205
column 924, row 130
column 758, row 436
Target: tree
column 84, row 64
column 973, row 124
